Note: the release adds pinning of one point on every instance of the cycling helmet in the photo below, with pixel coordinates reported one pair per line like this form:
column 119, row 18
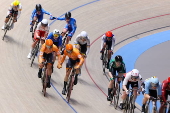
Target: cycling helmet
column 118, row 58
column 154, row 82
column 83, row 34
column 16, row 3
column 48, row 43
column 56, row 33
column 38, row 7
column 67, row 15
column 168, row 79
column 44, row 22
column 109, row 34
column 69, row 48
column 134, row 74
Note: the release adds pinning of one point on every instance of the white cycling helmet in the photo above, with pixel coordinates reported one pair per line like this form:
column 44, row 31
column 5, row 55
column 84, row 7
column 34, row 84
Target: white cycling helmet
column 44, row 22
column 56, row 33
column 135, row 73
column 83, row 34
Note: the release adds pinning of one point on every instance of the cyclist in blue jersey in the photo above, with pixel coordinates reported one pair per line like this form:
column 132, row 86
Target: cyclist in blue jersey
column 37, row 14
column 152, row 89
column 56, row 38
column 70, row 26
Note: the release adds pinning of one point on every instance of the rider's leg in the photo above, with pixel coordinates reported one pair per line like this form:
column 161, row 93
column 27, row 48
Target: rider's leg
column 145, row 99
column 68, row 70
column 49, row 67
column 110, row 88
column 40, row 68
column 102, row 51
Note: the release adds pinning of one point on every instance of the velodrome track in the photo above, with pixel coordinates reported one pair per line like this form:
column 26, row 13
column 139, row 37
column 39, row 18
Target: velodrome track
column 19, row 85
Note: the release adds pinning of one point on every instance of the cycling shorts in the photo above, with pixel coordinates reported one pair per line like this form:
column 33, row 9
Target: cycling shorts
column 48, row 57
column 71, row 63
column 133, row 84
column 39, row 33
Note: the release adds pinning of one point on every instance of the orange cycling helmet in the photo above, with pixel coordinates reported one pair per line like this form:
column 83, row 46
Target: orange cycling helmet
column 108, row 34
column 16, row 3
column 48, row 43
column 69, row 48
column 168, row 79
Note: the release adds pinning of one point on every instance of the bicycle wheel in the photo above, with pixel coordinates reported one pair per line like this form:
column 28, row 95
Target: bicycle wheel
column 131, row 105
column 4, row 34
column 45, row 81
column 8, row 26
column 104, row 61
column 147, row 108
column 154, row 110
column 116, row 97
column 126, row 105
column 34, row 53
column 63, row 45
column 69, row 88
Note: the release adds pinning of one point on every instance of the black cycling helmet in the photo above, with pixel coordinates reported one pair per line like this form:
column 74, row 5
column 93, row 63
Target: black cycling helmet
column 68, row 15
column 118, row 58
column 38, row 7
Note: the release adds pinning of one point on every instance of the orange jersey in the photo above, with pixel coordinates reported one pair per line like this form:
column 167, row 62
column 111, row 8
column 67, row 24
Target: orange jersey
column 44, row 49
column 74, row 56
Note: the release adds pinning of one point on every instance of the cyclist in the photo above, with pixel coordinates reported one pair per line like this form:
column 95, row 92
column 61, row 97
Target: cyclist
column 134, row 79
column 75, row 61
column 82, row 43
column 56, row 38
column 108, row 41
column 165, row 92
column 14, row 9
column 48, row 52
column 40, row 33
column 70, row 26
column 37, row 14
column 115, row 65
column 151, row 86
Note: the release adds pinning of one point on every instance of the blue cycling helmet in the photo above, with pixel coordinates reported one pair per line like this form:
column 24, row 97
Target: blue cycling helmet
column 154, row 82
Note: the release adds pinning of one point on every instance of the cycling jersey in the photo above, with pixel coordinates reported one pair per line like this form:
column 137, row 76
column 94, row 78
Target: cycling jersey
column 58, row 40
column 112, row 64
column 80, row 41
column 111, row 43
column 148, row 86
column 48, row 51
column 70, row 26
column 74, row 56
column 128, row 78
column 40, row 17
column 17, row 9
column 165, row 89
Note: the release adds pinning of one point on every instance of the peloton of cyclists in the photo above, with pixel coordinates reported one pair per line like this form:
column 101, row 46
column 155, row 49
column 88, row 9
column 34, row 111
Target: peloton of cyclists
column 75, row 61
column 151, row 86
column 48, row 52
column 134, row 79
column 14, row 9
column 108, row 41
column 115, row 65
column 37, row 15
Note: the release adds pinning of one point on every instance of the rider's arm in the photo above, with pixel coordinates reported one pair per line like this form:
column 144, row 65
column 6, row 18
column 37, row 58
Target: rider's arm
column 46, row 12
column 60, row 41
column 147, row 87
column 19, row 10
column 88, row 46
column 50, row 36
column 32, row 16
column 125, row 81
column 73, row 26
column 40, row 59
column 60, row 18
column 160, row 89
column 63, row 58
column 103, row 41
column 81, row 59
column 164, row 86
column 113, row 43
column 57, row 53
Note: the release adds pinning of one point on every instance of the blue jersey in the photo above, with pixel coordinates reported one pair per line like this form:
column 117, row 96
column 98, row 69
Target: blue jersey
column 71, row 26
column 57, row 41
column 40, row 17
column 148, row 86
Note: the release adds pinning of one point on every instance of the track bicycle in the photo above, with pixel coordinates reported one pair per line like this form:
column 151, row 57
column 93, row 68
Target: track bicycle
column 165, row 109
column 129, row 104
column 44, row 78
column 105, row 59
column 70, row 84
column 154, row 106
column 115, row 92
column 8, row 25
column 34, row 52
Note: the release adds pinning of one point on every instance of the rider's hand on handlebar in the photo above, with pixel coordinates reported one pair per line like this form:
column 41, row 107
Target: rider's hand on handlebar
column 52, row 18
column 59, row 66
column 38, row 37
column 76, row 67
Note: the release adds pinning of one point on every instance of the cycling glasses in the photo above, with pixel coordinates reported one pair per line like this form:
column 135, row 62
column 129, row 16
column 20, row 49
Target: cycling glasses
column 44, row 25
column 48, row 46
column 69, row 51
column 134, row 77
column 154, row 85
column 56, row 35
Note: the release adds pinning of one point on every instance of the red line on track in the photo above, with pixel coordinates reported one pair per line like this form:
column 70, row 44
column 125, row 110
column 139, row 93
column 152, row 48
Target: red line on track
column 113, row 30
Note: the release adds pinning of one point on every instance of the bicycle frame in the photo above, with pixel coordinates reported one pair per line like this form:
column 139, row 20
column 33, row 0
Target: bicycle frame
column 105, row 59
column 63, row 44
column 36, row 23
column 8, row 25
column 70, row 84
column 154, row 107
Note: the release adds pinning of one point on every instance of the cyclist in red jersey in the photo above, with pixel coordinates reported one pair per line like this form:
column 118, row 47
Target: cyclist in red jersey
column 165, row 93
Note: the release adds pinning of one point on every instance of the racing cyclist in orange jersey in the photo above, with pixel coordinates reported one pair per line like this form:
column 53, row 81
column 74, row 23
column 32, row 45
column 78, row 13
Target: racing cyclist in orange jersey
column 75, row 61
column 48, row 52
